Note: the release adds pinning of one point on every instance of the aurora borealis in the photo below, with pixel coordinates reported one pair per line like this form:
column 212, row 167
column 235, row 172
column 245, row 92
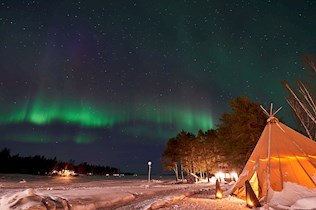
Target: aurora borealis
column 109, row 82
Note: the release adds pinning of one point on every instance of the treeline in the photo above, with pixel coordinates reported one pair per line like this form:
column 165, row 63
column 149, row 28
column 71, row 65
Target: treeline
column 40, row 165
column 227, row 147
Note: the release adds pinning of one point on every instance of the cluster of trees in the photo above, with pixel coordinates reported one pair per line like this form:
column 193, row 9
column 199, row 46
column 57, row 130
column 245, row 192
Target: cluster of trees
column 229, row 146
column 40, row 165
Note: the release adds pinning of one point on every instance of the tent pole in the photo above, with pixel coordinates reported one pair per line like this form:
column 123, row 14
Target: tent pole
column 268, row 167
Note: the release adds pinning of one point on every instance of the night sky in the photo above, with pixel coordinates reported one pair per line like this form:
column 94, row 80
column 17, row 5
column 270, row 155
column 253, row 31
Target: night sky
column 109, row 82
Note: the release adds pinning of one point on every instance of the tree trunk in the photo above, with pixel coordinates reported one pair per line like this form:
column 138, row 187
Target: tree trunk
column 176, row 172
column 181, row 169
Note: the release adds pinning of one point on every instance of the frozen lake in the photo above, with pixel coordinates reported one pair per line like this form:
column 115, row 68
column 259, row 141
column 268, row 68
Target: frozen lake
column 13, row 181
column 15, row 178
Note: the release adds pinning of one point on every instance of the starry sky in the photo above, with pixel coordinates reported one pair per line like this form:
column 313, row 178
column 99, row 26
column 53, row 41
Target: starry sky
column 109, row 82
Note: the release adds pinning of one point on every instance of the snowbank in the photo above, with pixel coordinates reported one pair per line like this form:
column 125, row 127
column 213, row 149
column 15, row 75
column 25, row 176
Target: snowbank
column 294, row 196
column 21, row 200
column 305, row 203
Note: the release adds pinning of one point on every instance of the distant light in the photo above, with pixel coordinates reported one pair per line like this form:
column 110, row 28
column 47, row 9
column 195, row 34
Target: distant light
column 149, row 163
column 234, row 176
column 219, row 175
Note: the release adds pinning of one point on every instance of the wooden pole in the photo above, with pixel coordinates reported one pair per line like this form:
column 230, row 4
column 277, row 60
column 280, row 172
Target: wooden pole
column 251, row 198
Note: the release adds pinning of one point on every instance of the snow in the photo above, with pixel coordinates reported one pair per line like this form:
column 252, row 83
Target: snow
column 290, row 196
column 305, row 203
column 20, row 200
column 101, row 193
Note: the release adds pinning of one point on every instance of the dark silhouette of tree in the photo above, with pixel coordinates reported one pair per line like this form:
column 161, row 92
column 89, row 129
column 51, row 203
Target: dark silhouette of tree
column 239, row 131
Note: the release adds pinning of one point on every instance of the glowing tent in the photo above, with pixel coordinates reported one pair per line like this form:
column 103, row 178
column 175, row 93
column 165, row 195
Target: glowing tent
column 281, row 155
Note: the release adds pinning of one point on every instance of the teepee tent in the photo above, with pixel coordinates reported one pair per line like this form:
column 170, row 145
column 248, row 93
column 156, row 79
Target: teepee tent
column 281, row 156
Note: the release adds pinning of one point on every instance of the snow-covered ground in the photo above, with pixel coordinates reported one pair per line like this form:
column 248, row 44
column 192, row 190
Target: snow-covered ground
column 32, row 192
column 102, row 193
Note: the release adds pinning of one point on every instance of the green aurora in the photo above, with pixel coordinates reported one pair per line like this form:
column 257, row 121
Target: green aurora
column 168, row 120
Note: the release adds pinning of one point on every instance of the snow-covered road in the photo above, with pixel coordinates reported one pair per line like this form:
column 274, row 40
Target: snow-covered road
column 157, row 199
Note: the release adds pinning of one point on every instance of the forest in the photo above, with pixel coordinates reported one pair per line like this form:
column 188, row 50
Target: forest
column 39, row 165
column 229, row 146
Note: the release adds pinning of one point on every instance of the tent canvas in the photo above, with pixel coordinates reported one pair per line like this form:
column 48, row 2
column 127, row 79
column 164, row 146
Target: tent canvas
column 281, row 155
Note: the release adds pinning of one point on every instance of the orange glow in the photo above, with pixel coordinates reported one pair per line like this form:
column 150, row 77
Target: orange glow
column 218, row 194
column 284, row 158
column 249, row 203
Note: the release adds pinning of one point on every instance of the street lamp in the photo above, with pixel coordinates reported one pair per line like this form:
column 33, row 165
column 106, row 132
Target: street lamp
column 149, row 167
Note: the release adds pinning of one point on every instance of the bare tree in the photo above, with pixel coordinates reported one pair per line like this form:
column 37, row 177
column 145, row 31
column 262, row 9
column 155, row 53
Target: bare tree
column 302, row 102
